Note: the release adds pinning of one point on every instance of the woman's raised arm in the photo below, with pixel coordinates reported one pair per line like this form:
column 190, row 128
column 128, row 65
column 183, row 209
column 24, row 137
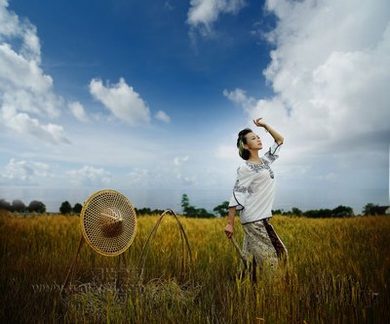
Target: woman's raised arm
column 277, row 137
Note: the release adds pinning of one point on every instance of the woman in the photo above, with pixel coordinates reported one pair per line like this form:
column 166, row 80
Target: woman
column 253, row 196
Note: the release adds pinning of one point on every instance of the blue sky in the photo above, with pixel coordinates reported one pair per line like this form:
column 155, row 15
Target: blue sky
column 148, row 97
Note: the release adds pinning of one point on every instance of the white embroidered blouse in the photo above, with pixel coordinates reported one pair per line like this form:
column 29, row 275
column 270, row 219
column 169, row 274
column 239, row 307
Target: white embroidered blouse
column 254, row 190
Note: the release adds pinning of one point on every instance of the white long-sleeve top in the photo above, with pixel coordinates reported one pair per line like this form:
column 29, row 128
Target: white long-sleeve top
column 254, row 189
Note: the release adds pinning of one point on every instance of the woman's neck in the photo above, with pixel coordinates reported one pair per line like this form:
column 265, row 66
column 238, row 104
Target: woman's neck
column 255, row 157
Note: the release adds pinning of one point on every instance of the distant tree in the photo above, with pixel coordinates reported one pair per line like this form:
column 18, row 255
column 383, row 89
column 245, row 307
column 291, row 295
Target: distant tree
column 148, row 211
column 222, row 209
column 340, row 211
column 296, row 211
column 192, row 211
column 368, row 209
column 185, row 202
column 18, row 206
column 318, row 213
column 65, row 208
column 77, row 208
column 201, row 212
column 293, row 212
column 343, row 211
column 142, row 211
column 371, row 209
column 37, row 207
column 5, row 205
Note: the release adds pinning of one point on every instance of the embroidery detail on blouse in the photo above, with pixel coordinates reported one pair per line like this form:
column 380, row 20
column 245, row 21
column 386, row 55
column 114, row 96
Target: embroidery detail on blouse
column 243, row 189
column 258, row 167
column 270, row 156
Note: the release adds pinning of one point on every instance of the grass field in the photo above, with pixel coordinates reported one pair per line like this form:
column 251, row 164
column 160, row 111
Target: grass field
column 338, row 272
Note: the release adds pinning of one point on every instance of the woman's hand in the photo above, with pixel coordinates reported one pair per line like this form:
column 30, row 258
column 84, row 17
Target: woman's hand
column 277, row 137
column 259, row 123
column 229, row 231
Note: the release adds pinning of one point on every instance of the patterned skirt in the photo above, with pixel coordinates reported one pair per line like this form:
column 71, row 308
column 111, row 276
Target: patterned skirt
column 263, row 244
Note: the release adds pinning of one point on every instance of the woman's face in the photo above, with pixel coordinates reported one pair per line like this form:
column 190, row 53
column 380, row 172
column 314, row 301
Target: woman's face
column 253, row 142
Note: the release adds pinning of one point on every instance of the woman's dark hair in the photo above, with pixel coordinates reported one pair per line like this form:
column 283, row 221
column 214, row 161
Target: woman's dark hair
column 241, row 140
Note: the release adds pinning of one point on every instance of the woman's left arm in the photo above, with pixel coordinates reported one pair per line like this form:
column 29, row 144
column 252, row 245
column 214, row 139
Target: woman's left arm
column 279, row 139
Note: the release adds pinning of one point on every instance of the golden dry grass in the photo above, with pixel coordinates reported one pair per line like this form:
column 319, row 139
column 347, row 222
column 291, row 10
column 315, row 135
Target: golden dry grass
column 338, row 272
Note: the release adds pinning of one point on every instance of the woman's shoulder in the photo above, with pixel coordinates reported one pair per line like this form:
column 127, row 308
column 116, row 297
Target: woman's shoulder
column 243, row 167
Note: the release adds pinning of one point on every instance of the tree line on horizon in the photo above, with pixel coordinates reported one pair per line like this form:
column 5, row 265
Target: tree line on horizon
column 19, row 206
column 189, row 210
column 340, row 211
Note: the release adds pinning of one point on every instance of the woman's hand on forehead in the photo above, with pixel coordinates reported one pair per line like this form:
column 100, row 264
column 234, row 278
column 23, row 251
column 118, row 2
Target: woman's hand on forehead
column 258, row 122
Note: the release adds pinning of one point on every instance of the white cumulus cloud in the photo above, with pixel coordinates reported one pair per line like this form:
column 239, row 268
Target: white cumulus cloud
column 22, row 123
column 78, row 111
column 330, row 72
column 89, row 175
column 161, row 115
column 17, row 170
column 204, row 13
column 239, row 97
column 27, row 95
column 22, row 171
column 121, row 100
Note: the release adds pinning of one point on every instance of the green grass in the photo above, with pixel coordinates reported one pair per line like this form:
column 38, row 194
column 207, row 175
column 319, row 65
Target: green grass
column 338, row 272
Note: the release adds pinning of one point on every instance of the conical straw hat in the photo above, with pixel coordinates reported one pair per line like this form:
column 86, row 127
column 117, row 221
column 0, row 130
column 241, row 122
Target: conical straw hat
column 108, row 222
